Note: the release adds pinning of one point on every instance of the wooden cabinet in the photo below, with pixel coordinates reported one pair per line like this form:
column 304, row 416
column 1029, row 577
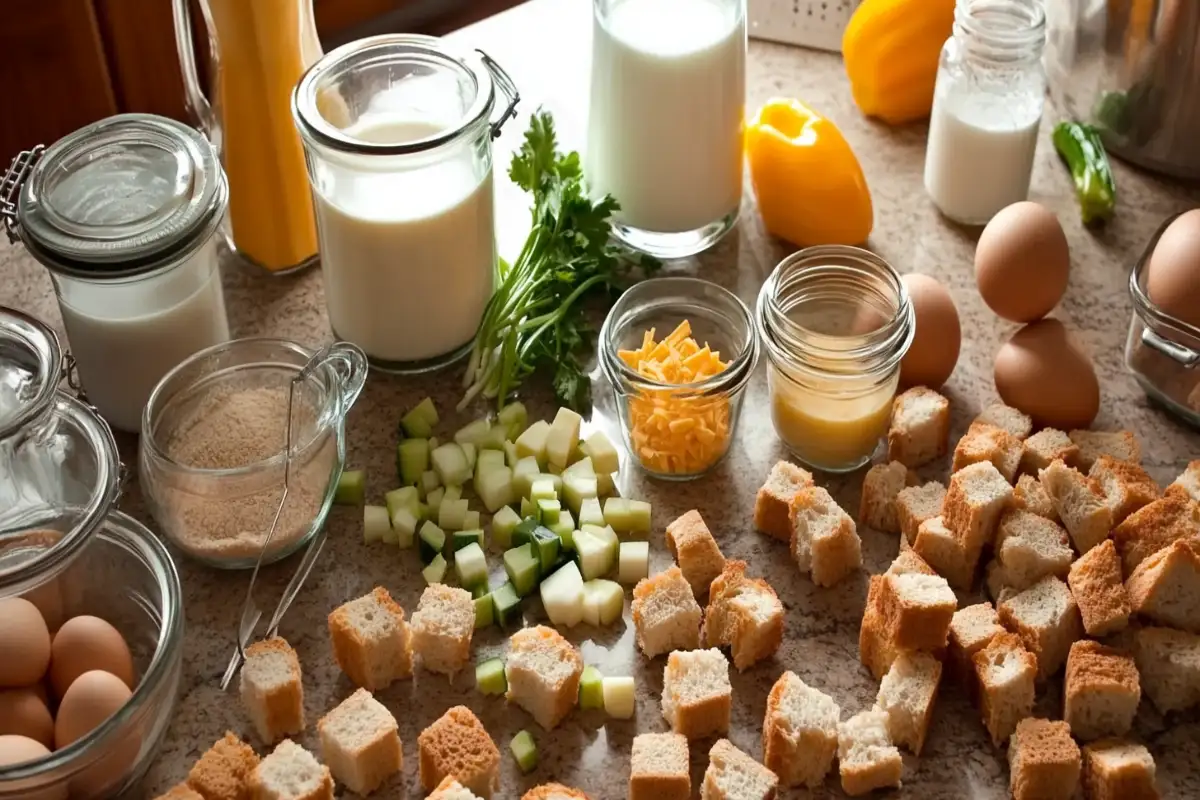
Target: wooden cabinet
column 65, row 63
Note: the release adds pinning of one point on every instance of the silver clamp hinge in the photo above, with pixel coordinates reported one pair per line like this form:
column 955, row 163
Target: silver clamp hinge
column 10, row 187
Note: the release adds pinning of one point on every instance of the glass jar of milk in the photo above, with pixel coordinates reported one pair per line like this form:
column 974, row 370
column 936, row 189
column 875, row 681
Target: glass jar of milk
column 665, row 119
column 987, row 108
column 398, row 131
column 125, row 213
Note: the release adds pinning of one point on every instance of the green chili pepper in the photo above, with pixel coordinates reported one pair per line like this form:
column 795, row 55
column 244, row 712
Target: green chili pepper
column 1081, row 149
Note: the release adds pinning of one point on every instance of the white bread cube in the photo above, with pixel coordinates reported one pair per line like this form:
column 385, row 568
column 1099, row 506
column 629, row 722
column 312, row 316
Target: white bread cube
column 1102, row 691
column 1151, row 528
column 1187, row 485
column 1046, row 618
column 1031, row 547
column 876, row 648
column 543, row 671
column 360, row 742
column 658, row 767
column 271, row 689
column 225, row 770
column 919, row 428
column 943, row 550
column 1029, row 495
column 450, row 789
column 917, row 610
column 867, row 759
column 907, row 693
column 1044, row 448
column 733, row 775
column 880, row 487
column 1121, row 445
column 800, row 736
column 971, row 629
column 666, row 615
column 1080, row 504
column 825, row 541
column 984, row 442
column 1043, row 761
column 977, row 496
column 291, row 773
column 744, row 614
column 442, row 627
column 915, row 504
column 1007, row 677
column 695, row 550
column 772, row 506
column 1118, row 770
column 1168, row 663
column 1126, row 486
column 1096, row 585
column 1166, row 587
column 1017, row 423
column 697, row 696
column 457, row 744
column 371, row 642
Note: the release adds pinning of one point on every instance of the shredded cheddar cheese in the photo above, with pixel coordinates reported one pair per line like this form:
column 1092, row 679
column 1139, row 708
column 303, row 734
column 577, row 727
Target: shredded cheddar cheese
column 673, row 432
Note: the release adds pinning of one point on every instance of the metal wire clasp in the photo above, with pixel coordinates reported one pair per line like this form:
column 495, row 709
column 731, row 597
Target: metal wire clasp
column 507, row 87
column 10, row 187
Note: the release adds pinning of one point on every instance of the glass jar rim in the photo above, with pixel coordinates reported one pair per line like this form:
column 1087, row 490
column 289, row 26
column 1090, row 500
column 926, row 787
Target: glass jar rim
column 24, row 338
column 1025, row 30
column 1159, row 321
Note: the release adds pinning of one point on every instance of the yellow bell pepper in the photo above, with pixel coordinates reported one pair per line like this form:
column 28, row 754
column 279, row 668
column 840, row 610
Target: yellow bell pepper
column 809, row 184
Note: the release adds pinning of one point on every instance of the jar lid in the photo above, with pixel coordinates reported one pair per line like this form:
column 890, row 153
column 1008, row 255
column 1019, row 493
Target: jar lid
column 121, row 197
column 30, row 369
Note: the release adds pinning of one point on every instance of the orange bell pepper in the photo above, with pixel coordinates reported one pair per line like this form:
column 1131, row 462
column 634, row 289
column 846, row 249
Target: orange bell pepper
column 810, row 186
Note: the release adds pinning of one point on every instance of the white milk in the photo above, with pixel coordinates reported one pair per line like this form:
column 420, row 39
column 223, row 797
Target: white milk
column 408, row 255
column 666, row 114
column 980, row 154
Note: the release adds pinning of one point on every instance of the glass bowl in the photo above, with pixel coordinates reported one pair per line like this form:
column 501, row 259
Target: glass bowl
column 679, row 431
column 213, row 439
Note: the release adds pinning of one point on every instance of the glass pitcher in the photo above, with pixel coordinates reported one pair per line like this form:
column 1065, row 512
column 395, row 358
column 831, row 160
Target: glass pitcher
column 258, row 51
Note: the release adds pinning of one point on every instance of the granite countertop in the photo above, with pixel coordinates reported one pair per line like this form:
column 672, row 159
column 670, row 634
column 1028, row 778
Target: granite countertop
column 543, row 45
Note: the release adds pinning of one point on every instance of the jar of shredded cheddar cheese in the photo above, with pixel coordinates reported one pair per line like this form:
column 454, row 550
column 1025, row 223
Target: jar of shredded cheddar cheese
column 678, row 353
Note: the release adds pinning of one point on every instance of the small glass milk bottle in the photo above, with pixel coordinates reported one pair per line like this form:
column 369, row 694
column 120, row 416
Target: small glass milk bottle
column 987, row 109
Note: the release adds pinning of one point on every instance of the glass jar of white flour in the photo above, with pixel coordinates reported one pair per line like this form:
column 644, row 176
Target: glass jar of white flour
column 987, row 109
column 124, row 213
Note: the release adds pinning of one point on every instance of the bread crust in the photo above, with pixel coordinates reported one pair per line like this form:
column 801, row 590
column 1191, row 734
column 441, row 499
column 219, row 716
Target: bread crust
column 1166, row 587
column 457, row 744
column 801, row 757
column 1101, row 691
column 728, row 623
column 1095, row 581
column 915, row 446
column 1154, row 526
column 695, row 550
column 357, row 656
column 1044, row 761
column 224, row 771
column 705, row 716
column 671, row 783
column 276, row 711
column 772, row 505
column 1131, row 780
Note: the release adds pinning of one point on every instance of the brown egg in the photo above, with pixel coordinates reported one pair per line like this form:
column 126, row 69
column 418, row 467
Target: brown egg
column 1173, row 273
column 1022, row 262
column 1043, row 373
column 24, row 643
column 24, row 713
column 20, row 750
column 86, row 643
column 934, row 351
column 93, row 697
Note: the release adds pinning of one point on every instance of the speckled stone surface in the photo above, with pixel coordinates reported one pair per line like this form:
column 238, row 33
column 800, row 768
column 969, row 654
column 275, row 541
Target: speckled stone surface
column 543, row 45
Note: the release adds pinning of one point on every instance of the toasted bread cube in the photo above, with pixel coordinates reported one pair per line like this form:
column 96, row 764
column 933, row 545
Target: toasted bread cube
column 697, row 696
column 1121, row 445
column 880, row 487
column 1187, row 485
column 371, row 642
column 1018, row 424
column 1151, row 528
column 915, row 504
column 1168, row 663
column 1096, row 585
column 543, row 671
column 867, row 758
column 1044, row 448
column 971, row 629
column 1079, row 503
column 658, row 767
column 666, row 615
column 1046, row 618
column 772, row 506
column 907, row 693
column 976, row 498
column 744, row 614
column 1007, row 676
column 920, row 427
column 442, row 627
column 554, row 791
column 909, row 561
column 825, row 541
column 291, row 773
column 1126, row 486
column 1117, row 770
column 1029, row 495
column 1031, row 547
column 271, row 689
column 733, row 775
column 1166, row 587
column 984, row 442
column 360, row 742
column 692, row 545
column 875, row 647
column 457, row 744
column 225, row 770
column 450, row 789
column 1102, row 691
column 1043, row 761
column 799, row 732
column 938, row 546
column 917, row 610
column 180, row 791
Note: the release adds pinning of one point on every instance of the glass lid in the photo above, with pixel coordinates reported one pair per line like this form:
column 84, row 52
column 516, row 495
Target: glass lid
column 30, row 369
column 121, row 196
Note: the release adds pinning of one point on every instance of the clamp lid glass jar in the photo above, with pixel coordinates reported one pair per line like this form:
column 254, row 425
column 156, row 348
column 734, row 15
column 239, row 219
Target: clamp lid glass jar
column 835, row 321
column 125, row 213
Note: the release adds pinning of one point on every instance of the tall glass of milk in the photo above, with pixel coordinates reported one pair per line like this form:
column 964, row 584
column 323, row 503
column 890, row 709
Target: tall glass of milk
column 398, row 134
column 665, row 120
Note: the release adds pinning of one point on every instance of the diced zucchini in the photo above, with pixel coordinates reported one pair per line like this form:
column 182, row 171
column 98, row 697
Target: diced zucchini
column 522, row 567
column 485, row 609
column 591, row 688
column 543, row 489
column 523, row 474
column 489, row 677
column 565, row 529
column 436, row 571
column 470, row 452
column 633, row 562
column 460, row 539
column 429, row 482
column 639, row 516
column 549, row 511
column 450, row 463
column 351, row 488
column 590, row 513
column 524, row 751
column 423, row 512
column 546, row 546
column 562, row 438
column 486, row 461
column 577, row 488
column 514, row 418
column 605, row 485
column 600, row 449
column 453, row 493
column 404, row 524
column 480, row 590
column 494, row 439
column 616, row 513
column 594, row 555
column 412, row 460
column 473, row 432
column 434, row 443
column 555, row 470
column 507, row 604
column 620, row 697
column 495, row 487
column 472, row 521
column 511, row 459
column 452, row 514
column 582, row 467
column 434, row 501
column 504, row 522
column 404, row 497
column 432, row 541
column 577, row 454
column 607, row 535
column 528, row 508
column 377, row 523
column 603, row 602
column 523, row 533
column 562, row 596
column 532, row 441
column 421, row 419
column 470, row 564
